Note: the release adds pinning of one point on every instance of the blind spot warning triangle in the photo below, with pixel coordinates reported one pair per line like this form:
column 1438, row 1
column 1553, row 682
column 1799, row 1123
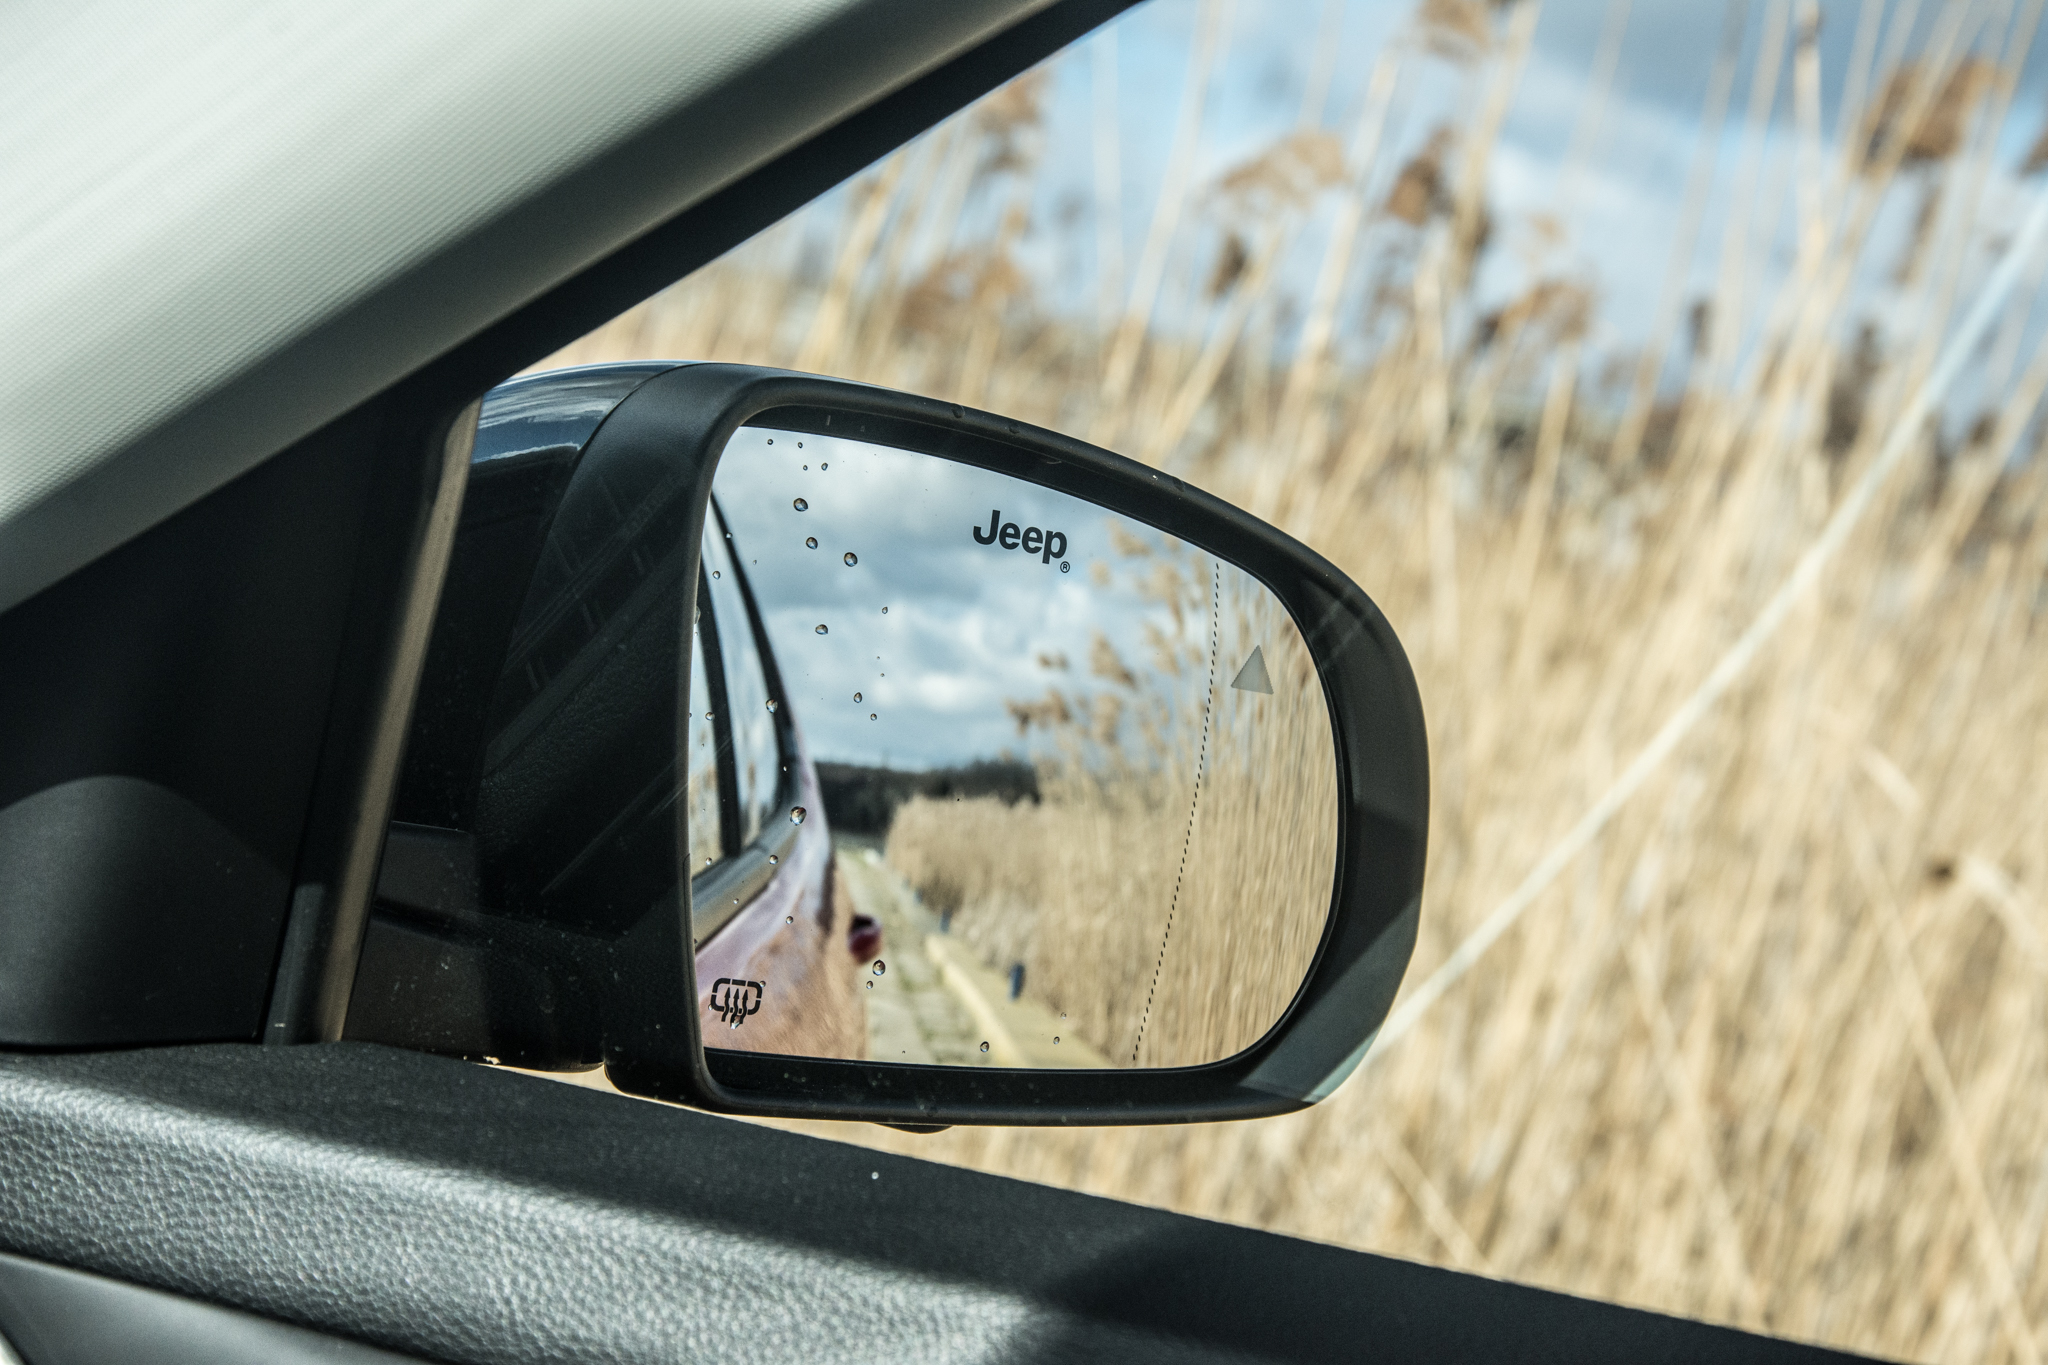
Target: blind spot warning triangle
column 1252, row 677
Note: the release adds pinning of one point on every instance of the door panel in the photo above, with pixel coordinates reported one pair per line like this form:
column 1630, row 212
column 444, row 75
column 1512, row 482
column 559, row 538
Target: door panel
column 468, row 1214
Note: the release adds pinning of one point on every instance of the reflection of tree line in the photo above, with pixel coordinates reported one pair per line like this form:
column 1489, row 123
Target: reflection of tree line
column 863, row 800
column 1079, row 886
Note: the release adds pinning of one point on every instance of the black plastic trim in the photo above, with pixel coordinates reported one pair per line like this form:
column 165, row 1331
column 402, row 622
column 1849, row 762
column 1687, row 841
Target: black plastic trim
column 774, row 839
column 721, row 725
column 398, row 587
column 178, row 701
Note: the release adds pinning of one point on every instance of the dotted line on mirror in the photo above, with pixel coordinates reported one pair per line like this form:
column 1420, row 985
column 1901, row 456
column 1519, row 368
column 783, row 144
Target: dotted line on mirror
column 1201, row 768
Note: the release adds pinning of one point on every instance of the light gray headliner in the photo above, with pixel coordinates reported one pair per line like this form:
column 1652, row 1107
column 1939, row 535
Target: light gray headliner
column 225, row 222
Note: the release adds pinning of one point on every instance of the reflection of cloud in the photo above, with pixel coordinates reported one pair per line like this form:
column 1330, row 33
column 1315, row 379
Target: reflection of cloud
column 966, row 623
column 952, row 693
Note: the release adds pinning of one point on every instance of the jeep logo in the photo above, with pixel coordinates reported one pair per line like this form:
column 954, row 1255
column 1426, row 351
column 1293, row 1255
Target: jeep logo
column 1047, row 545
column 733, row 1000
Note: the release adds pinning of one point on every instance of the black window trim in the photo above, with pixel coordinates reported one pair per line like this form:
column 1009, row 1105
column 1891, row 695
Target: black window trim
column 722, row 891
column 721, row 728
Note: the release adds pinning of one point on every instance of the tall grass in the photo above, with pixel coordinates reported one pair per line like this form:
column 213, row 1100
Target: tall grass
column 1773, row 1050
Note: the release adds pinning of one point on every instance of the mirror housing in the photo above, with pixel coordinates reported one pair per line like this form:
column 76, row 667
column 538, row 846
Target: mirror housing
column 552, row 991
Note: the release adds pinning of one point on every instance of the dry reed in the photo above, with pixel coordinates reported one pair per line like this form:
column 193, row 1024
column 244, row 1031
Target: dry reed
column 1771, row 1050
column 1169, row 888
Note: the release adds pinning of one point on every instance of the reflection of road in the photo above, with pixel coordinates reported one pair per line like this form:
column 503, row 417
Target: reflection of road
column 912, row 1017
column 938, row 1003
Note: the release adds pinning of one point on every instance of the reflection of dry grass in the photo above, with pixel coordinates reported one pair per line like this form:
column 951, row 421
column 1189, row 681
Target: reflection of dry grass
column 1105, row 884
column 1775, row 1049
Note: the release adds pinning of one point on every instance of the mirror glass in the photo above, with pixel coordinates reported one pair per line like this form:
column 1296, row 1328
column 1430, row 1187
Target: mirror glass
column 1053, row 788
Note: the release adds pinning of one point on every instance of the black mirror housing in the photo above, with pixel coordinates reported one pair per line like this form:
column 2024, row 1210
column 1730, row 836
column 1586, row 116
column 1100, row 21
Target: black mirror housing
column 621, row 970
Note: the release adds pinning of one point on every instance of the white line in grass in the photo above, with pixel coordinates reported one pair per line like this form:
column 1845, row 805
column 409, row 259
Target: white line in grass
column 1904, row 435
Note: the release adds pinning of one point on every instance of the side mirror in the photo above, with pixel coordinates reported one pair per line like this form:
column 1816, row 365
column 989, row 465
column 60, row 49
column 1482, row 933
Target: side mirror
column 793, row 747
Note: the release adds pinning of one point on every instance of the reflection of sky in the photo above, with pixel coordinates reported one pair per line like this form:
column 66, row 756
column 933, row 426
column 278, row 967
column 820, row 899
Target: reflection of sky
column 966, row 623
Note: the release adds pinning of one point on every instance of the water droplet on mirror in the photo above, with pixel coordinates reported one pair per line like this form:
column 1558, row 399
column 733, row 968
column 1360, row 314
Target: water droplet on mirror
column 714, row 573
column 810, row 542
column 881, row 967
column 800, row 505
column 851, row 559
column 984, row 1047
column 789, row 919
column 1055, row 1040
column 823, row 467
column 771, row 440
column 799, row 445
column 885, row 611
column 1063, row 1016
column 822, row 630
column 871, row 985
column 871, row 715
column 772, row 860
column 771, row 703
column 957, row 411
column 797, row 814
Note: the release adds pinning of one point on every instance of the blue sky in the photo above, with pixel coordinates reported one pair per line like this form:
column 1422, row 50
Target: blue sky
column 1627, row 200
column 1624, row 207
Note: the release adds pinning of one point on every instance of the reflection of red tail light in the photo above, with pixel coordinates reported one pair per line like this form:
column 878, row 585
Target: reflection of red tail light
column 864, row 939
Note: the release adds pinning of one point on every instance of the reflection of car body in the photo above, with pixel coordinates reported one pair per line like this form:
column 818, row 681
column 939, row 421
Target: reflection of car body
column 559, row 695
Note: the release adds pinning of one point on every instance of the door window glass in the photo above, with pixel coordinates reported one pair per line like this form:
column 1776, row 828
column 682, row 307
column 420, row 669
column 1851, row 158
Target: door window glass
column 754, row 755
column 1602, row 344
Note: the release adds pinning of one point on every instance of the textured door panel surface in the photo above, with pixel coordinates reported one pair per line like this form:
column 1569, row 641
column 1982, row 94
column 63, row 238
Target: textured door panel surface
column 458, row 1212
